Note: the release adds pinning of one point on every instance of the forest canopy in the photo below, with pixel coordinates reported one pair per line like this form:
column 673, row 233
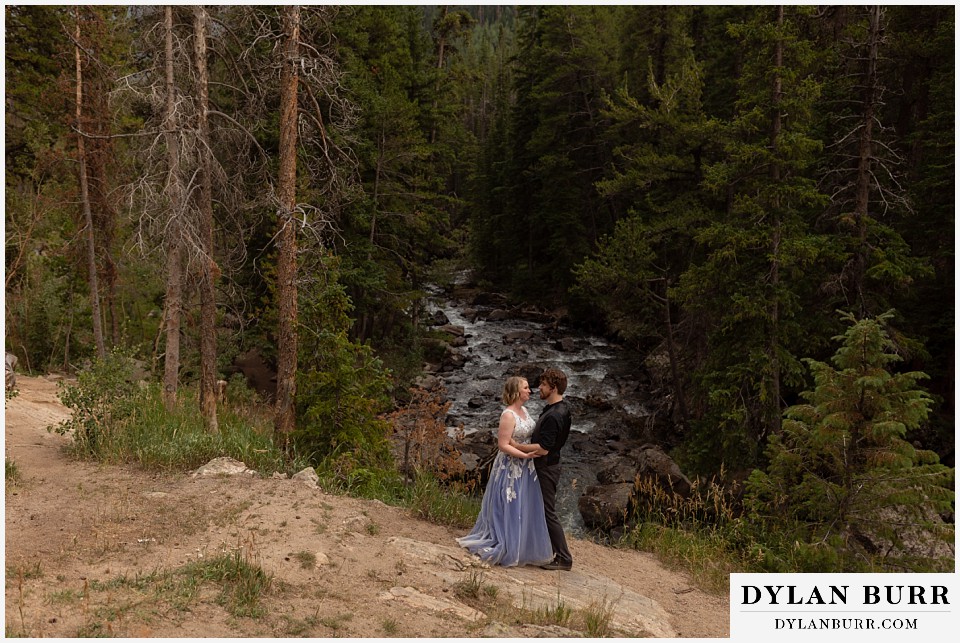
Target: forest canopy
column 710, row 183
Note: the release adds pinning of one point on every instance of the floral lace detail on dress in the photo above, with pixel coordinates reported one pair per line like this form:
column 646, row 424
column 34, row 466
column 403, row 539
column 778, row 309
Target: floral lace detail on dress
column 522, row 431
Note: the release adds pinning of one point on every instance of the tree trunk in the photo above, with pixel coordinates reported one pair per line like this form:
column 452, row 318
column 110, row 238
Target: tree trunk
column 284, row 419
column 173, row 242
column 772, row 404
column 208, row 270
column 674, row 360
column 441, row 48
column 85, row 207
column 865, row 157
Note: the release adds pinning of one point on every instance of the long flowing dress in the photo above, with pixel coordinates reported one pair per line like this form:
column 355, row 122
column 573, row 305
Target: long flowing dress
column 511, row 529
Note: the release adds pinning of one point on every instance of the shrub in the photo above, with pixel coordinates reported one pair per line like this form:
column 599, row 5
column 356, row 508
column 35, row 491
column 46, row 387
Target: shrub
column 115, row 420
column 104, row 396
column 844, row 485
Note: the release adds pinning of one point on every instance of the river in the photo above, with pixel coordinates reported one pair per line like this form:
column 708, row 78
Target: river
column 603, row 389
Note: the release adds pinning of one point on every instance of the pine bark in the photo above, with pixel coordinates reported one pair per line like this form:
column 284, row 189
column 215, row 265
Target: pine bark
column 285, row 418
column 209, row 270
column 773, row 392
column 865, row 156
column 173, row 241
column 85, row 207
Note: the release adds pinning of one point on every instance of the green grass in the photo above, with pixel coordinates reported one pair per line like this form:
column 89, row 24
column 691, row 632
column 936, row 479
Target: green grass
column 558, row 614
column 597, row 617
column 12, row 475
column 707, row 557
column 294, row 627
column 470, row 587
column 26, row 572
column 242, row 583
column 307, row 560
column 157, row 439
column 426, row 498
column 389, row 627
column 335, row 623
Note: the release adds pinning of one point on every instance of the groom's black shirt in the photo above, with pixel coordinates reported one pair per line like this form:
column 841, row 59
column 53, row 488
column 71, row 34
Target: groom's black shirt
column 551, row 432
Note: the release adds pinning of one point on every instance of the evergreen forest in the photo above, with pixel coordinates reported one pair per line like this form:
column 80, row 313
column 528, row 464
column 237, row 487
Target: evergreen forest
column 760, row 193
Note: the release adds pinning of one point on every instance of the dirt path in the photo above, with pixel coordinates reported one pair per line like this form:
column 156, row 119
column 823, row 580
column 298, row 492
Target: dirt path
column 101, row 550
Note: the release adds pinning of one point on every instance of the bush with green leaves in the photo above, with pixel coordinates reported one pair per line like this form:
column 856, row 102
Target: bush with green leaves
column 845, row 489
column 118, row 420
column 102, row 398
column 342, row 387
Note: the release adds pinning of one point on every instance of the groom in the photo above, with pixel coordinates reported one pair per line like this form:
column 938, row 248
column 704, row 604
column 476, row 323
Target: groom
column 551, row 433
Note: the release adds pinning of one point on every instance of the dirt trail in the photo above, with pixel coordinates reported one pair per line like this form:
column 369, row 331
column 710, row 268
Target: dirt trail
column 98, row 550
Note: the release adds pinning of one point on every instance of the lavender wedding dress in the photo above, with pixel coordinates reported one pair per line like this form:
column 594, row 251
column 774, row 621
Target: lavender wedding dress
column 511, row 530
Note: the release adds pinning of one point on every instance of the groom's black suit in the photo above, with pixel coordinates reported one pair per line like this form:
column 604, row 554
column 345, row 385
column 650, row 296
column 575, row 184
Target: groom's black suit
column 551, row 433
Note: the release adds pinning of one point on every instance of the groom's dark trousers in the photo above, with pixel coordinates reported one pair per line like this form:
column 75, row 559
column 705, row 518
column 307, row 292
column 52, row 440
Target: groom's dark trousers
column 549, row 477
column 551, row 433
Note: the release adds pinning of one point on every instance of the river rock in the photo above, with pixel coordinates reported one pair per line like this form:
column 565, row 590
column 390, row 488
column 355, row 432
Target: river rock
column 476, row 402
column 914, row 540
column 439, row 318
column 452, row 329
column 453, row 361
column 598, row 401
column 606, row 506
column 470, row 314
column 427, row 382
column 517, row 336
column 530, row 372
column 470, row 461
column 653, row 465
column 259, row 373
column 475, row 297
column 565, row 344
column 617, row 471
column 499, row 315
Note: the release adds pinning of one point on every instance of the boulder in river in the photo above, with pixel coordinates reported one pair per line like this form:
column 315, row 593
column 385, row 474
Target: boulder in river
column 476, row 402
column 530, row 372
column 453, row 329
column 606, row 506
column 438, row 318
column 653, row 465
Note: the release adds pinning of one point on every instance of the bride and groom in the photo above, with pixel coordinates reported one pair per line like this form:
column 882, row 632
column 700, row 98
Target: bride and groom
column 518, row 522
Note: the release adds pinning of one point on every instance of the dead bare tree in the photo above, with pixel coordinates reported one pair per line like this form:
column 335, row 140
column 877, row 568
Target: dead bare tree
column 174, row 238
column 864, row 173
column 208, row 269
column 182, row 181
column 285, row 417
column 85, row 204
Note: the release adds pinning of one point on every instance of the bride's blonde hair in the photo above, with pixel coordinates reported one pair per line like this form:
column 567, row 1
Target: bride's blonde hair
column 511, row 389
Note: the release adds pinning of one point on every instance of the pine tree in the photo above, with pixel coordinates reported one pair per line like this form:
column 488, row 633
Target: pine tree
column 661, row 142
column 566, row 63
column 921, row 106
column 864, row 170
column 843, row 475
column 287, row 225
column 751, row 286
column 397, row 225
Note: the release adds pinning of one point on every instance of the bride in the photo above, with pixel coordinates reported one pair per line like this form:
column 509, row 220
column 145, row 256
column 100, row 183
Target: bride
column 511, row 529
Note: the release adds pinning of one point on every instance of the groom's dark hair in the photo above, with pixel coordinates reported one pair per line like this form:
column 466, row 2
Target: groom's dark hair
column 555, row 378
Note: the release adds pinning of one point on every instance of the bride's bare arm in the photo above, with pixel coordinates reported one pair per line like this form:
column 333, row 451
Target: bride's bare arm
column 505, row 437
column 526, row 448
